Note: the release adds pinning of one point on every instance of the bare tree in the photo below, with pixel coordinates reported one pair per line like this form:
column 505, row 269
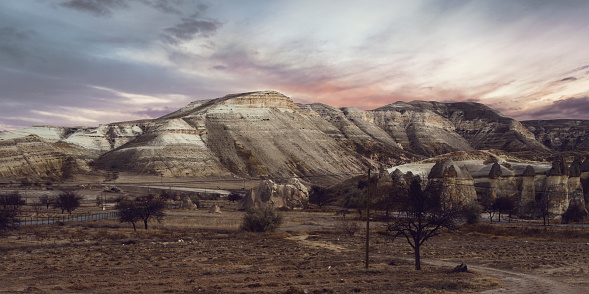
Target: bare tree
column 45, row 200
column 8, row 218
column 11, row 200
column 423, row 217
column 67, row 201
column 142, row 208
column 128, row 212
column 9, row 209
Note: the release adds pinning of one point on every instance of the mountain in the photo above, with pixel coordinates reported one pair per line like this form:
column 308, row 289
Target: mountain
column 561, row 134
column 266, row 134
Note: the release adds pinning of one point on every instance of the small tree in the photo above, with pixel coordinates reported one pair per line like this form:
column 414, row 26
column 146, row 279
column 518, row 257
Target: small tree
column 142, row 208
column 319, row 196
column 355, row 199
column 8, row 218
column 486, row 203
column 67, row 201
column 11, row 201
column 543, row 208
column 261, row 219
column 45, row 200
column 503, row 205
column 128, row 212
column 424, row 217
column 574, row 214
column 9, row 209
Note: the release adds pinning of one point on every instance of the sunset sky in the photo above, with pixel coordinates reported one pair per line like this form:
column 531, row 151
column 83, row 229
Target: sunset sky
column 87, row 62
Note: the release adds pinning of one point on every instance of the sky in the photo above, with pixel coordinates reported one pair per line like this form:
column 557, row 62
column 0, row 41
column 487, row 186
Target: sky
column 90, row 62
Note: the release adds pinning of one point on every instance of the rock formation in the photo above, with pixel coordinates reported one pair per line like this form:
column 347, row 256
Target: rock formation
column 561, row 134
column 556, row 187
column 291, row 195
column 527, row 197
column 456, row 184
column 266, row 134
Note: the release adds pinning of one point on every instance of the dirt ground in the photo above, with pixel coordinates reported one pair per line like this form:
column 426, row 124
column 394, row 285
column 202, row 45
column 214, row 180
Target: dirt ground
column 200, row 252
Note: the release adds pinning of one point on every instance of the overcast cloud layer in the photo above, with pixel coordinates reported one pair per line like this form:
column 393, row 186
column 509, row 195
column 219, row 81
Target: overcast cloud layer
column 86, row 62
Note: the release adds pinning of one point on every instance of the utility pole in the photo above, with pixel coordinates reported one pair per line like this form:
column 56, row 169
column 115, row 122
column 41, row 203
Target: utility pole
column 368, row 220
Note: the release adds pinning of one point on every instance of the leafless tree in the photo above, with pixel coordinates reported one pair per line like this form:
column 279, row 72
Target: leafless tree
column 142, row 208
column 67, row 201
column 422, row 217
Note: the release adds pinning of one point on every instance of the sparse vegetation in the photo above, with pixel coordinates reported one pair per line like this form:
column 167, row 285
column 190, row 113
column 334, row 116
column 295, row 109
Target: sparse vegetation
column 11, row 201
column 234, row 196
column 261, row 219
column 319, row 196
column 472, row 213
column 574, row 214
column 143, row 208
column 67, row 201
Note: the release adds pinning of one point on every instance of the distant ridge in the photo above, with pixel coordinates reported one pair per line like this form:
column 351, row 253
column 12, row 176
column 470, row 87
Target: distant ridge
column 266, row 134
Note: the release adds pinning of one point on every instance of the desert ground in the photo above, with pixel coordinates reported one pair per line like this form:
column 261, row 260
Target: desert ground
column 200, row 252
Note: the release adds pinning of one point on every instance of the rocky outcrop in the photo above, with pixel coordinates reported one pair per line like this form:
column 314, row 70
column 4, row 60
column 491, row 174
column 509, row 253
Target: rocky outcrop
column 432, row 128
column 288, row 196
column 556, row 187
column 527, row 197
column 456, row 185
column 562, row 134
column 31, row 159
column 584, row 179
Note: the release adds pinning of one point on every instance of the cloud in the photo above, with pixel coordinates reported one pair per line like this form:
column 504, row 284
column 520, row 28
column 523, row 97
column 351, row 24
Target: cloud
column 567, row 79
column 153, row 112
column 570, row 108
column 13, row 43
column 163, row 6
column 191, row 27
column 100, row 8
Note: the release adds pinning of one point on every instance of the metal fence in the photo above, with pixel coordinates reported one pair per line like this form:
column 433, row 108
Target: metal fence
column 39, row 220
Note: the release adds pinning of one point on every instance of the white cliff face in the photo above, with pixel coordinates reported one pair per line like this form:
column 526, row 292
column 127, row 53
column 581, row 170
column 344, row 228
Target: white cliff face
column 33, row 159
column 48, row 133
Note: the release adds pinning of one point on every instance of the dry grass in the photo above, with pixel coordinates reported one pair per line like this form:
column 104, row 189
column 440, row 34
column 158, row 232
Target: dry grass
column 198, row 251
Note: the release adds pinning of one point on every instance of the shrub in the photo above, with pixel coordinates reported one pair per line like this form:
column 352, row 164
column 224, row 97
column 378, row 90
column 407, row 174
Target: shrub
column 472, row 213
column 261, row 219
column 347, row 226
column 574, row 214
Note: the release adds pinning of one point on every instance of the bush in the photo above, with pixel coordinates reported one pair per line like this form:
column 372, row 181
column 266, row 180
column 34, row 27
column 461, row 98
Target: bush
column 347, row 226
column 472, row 213
column 261, row 219
column 574, row 214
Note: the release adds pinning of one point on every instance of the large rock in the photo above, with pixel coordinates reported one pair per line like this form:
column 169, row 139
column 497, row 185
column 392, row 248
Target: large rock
column 456, row 184
column 556, row 187
column 291, row 195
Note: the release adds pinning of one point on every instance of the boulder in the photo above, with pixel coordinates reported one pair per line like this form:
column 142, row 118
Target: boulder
column 215, row 209
column 291, row 195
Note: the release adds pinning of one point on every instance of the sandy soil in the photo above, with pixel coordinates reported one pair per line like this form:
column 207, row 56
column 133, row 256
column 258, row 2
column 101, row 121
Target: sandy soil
column 197, row 251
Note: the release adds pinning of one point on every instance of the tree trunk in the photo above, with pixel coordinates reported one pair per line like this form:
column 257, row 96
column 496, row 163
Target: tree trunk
column 134, row 228
column 145, row 222
column 417, row 258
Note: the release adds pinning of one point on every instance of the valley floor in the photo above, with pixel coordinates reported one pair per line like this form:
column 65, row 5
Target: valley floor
column 200, row 252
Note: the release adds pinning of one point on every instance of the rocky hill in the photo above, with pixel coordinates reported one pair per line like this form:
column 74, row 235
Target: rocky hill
column 266, row 134
column 562, row 134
